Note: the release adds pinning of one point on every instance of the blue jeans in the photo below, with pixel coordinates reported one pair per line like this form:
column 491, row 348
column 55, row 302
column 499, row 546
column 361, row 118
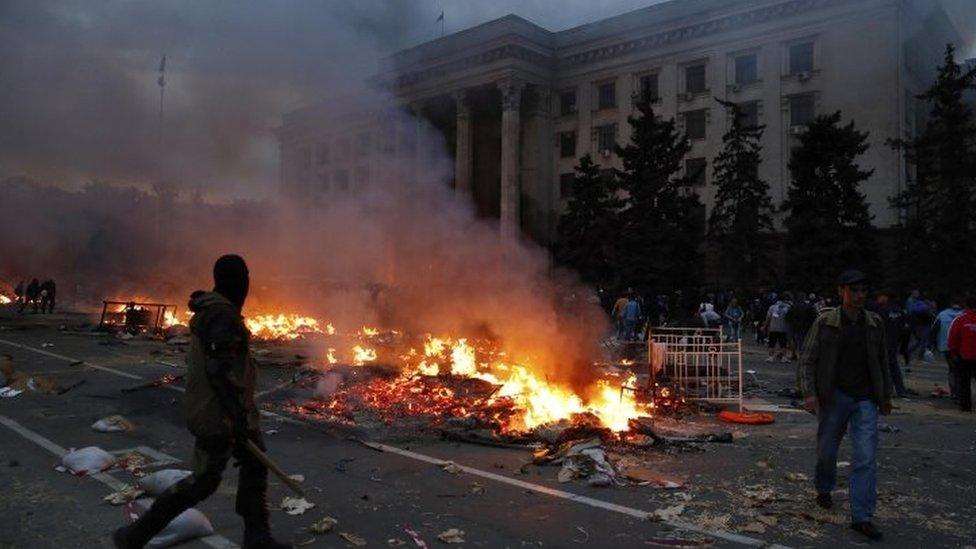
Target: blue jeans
column 833, row 421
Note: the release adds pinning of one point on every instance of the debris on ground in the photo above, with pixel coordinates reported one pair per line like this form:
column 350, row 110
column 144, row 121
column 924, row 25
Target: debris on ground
column 666, row 514
column 295, row 506
column 451, row 467
column 297, row 478
column 451, row 536
column 797, row 477
column 189, row 524
column 352, row 539
column 88, row 460
column 323, row 525
column 888, row 428
column 415, row 536
column 124, row 495
column 113, row 424
column 158, row 482
column 477, row 489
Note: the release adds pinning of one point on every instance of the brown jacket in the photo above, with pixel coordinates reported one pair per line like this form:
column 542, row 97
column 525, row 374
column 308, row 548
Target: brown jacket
column 817, row 370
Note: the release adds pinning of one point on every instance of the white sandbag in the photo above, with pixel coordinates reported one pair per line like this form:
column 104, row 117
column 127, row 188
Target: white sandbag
column 189, row 524
column 158, row 482
column 87, row 460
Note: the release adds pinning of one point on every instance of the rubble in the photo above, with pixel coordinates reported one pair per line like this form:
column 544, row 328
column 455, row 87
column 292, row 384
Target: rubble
column 451, row 536
column 113, row 424
column 323, row 525
column 295, row 506
column 124, row 495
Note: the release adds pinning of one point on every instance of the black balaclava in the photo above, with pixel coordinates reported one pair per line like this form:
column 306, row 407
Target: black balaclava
column 231, row 278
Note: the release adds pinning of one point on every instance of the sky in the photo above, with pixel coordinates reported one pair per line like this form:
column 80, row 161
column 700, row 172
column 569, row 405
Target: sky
column 80, row 99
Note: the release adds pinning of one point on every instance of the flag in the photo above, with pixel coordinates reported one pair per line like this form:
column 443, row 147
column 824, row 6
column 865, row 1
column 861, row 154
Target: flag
column 162, row 64
column 440, row 18
column 161, row 81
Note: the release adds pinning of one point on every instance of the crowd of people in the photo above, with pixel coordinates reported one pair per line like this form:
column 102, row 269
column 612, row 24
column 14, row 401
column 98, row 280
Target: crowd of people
column 916, row 326
column 36, row 294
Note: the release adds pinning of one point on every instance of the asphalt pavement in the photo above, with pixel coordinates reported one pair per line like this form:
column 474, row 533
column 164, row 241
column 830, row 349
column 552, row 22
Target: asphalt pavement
column 383, row 485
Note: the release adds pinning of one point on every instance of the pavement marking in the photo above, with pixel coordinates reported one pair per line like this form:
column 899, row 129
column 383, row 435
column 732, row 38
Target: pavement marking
column 69, row 359
column 593, row 502
column 213, row 540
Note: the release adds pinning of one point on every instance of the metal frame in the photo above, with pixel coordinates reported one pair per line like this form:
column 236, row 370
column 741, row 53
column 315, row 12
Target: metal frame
column 698, row 363
column 156, row 321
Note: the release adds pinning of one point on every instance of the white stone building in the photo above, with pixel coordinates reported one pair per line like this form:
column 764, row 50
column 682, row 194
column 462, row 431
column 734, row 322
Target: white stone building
column 518, row 105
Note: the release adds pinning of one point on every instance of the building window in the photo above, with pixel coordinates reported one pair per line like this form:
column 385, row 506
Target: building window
column 567, row 144
column 567, row 103
column 648, row 88
column 802, row 109
column 305, row 157
column 746, row 69
column 695, row 79
column 695, row 171
column 341, row 178
column 607, row 95
column 801, row 58
column 695, row 122
column 605, row 138
column 566, row 181
column 322, row 154
column 749, row 114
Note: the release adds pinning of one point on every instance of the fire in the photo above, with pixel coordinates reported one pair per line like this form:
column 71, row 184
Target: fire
column 283, row 326
column 362, row 355
column 513, row 396
column 4, row 300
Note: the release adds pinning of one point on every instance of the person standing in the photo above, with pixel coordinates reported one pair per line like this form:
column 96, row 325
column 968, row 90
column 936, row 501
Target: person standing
column 49, row 292
column 962, row 351
column 844, row 378
column 776, row 328
column 220, row 413
column 618, row 314
column 733, row 316
column 920, row 318
column 893, row 318
column 943, row 321
column 31, row 294
column 758, row 314
column 19, row 293
column 631, row 314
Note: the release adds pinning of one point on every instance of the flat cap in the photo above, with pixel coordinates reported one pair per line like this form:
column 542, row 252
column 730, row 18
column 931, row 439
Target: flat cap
column 848, row 278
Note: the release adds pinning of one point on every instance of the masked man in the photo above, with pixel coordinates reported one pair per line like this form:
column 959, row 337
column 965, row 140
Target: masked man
column 220, row 412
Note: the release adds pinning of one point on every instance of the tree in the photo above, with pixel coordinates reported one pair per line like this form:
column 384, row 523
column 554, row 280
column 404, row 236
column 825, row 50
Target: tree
column 741, row 221
column 828, row 223
column 588, row 228
column 937, row 249
column 662, row 222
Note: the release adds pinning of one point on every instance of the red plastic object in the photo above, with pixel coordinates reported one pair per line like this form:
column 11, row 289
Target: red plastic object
column 749, row 418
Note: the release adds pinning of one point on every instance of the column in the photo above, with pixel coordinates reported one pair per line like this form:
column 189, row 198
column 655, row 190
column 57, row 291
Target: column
column 511, row 89
column 463, row 159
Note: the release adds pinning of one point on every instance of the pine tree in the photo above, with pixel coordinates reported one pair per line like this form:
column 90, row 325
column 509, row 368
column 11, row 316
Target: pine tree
column 741, row 222
column 662, row 222
column 828, row 223
column 588, row 229
column 938, row 250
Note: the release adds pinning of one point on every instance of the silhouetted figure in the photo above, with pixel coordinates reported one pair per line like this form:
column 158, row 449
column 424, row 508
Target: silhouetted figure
column 48, row 293
column 31, row 294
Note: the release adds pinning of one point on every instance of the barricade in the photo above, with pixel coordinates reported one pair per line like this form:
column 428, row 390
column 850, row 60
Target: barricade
column 696, row 363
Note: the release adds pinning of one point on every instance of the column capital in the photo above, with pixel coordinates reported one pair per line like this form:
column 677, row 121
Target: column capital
column 463, row 101
column 511, row 89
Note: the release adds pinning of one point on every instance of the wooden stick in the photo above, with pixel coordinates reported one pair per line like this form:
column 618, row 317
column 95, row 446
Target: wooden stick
column 273, row 467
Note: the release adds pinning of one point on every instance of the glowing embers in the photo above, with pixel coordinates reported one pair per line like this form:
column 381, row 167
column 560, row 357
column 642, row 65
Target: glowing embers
column 285, row 327
column 4, row 300
column 443, row 378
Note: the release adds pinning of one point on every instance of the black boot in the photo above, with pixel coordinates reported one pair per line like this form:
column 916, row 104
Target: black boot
column 253, row 508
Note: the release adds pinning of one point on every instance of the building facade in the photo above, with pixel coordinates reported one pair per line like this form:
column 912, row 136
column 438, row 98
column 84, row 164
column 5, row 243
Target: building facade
column 516, row 105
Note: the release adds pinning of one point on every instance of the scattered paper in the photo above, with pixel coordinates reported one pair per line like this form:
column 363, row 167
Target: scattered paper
column 451, row 535
column 126, row 494
column 668, row 513
column 297, row 478
column 323, row 525
column 477, row 489
column 395, row 542
column 296, row 506
column 9, row 392
column 451, row 467
column 797, row 477
column 113, row 424
column 353, row 539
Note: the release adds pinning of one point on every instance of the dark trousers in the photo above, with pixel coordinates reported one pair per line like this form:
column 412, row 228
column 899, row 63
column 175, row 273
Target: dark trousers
column 965, row 372
column 47, row 304
column 210, row 457
column 897, row 379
